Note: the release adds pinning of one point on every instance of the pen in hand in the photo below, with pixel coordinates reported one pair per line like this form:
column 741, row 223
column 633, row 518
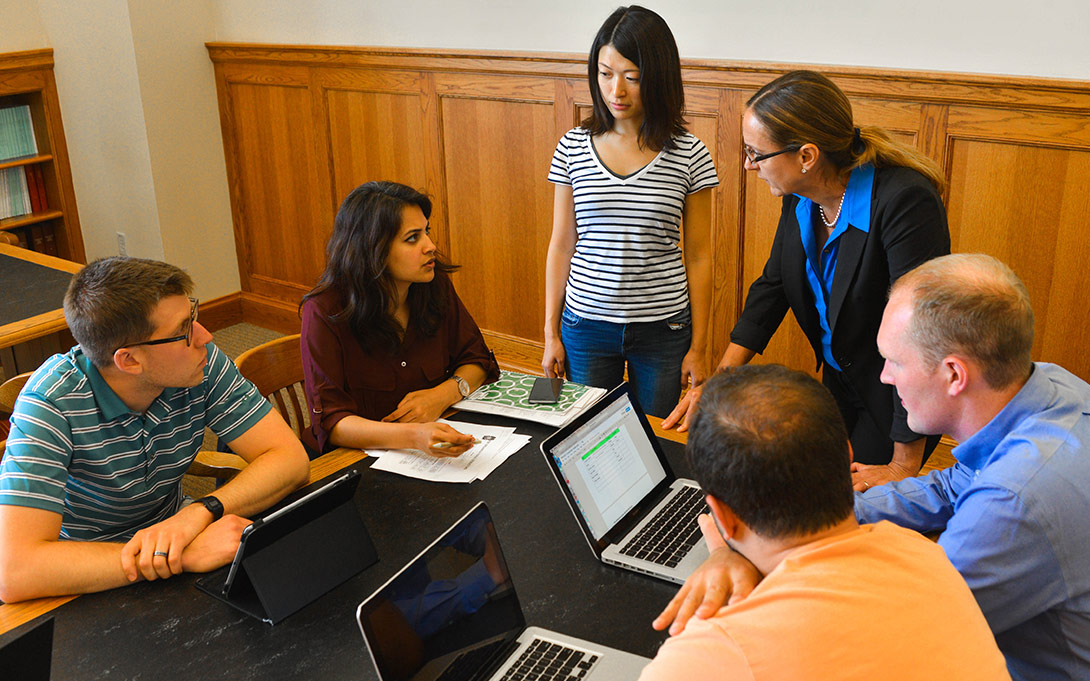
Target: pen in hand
column 448, row 445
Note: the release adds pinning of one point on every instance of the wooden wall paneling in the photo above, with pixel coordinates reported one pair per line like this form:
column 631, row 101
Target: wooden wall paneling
column 932, row 136
column 376, row 131
column 485, row 125
column 496, row 153
column 702, row 116
column 435, row 172
column 1026, row 204
column 280, row 181
column 727, row 262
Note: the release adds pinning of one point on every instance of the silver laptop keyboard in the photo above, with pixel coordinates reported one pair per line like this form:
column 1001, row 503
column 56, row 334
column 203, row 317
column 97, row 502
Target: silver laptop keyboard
column 669, row 536
column 469, row 663
column 543, row 660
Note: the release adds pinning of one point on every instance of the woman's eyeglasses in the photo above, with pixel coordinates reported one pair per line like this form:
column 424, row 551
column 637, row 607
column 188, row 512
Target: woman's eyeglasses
column 753, row 157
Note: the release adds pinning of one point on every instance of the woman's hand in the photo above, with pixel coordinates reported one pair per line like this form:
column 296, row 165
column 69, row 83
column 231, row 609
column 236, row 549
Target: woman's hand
column 864, row 477
column 426, row 435
column 682, row 415
column 425, row 406
column 552, row 360
column 692, row 369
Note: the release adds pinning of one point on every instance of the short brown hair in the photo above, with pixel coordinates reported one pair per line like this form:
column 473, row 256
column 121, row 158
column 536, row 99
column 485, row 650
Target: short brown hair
column 770, row 443
column 108, row 303
column 805, row 107
column 973, row 305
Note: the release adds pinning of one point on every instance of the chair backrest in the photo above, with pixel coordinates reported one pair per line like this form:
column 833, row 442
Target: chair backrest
column 276, row 368
column 9, row 391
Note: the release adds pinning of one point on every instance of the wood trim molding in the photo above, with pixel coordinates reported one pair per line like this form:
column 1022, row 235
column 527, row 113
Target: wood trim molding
column 27, row 60
column 918, row 86
column 221, row 312
column 270, row 313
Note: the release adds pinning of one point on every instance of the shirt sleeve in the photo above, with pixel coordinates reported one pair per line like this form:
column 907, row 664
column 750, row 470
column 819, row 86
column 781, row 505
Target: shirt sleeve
column 323, row 374
column 1005, row 556
column 558, row 169
column 702, row 651
column 766, row 303
column 467, row 343
column 233, row 403
column 701, row 168
column 38, row 452
column 914, row 230
column 924, row 504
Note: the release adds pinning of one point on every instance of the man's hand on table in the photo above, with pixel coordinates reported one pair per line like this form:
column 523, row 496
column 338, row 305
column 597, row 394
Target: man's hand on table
column 726, row 574
column 216, row 546
column 169, row 539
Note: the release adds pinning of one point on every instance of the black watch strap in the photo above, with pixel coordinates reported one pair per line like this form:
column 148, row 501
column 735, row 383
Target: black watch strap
column 214, row 506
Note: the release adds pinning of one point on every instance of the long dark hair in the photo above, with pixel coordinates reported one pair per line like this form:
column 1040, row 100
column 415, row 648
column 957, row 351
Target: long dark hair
column 367, row 223
column 803, row 107
column 643, row 38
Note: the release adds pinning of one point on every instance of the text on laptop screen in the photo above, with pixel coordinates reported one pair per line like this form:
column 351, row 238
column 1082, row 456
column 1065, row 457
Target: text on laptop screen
column 609, row 465
column 454, row 606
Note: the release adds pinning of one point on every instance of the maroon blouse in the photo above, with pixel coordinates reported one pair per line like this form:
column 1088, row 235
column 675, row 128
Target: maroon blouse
column 342, row 379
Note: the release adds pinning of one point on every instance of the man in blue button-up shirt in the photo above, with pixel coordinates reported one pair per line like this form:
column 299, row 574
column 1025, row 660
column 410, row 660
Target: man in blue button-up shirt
column 1014, row 511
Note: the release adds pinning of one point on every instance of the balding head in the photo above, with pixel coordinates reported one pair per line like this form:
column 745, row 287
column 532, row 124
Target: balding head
column 974, row 306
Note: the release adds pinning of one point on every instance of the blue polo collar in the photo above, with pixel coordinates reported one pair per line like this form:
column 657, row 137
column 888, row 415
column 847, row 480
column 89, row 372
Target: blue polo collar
column 111, row 406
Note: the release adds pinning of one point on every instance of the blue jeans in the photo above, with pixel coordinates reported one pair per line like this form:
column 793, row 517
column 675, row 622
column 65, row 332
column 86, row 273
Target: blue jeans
column 597, row 353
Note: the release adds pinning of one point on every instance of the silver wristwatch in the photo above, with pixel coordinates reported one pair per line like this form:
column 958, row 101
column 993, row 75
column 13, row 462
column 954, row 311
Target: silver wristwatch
column 463, row 387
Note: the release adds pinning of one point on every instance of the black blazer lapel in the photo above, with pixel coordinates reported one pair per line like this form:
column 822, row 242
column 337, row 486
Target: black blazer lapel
column 847, row 262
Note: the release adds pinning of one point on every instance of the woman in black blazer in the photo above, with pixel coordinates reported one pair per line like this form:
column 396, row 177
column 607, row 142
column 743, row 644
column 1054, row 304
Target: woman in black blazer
column 859, row 210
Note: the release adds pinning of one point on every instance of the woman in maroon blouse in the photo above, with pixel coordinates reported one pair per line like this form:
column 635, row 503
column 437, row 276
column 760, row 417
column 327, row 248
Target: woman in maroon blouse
column 387, row 344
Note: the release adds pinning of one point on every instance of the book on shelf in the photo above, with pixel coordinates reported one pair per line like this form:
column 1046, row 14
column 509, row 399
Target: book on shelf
column 509, row 396
column 14, row 193
column 16, row 133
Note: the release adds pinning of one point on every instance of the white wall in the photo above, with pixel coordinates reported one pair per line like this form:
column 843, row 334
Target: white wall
column 178, row 93
column 1045, row 38
column 22, row 26
column 138, row 98
column 99, row 88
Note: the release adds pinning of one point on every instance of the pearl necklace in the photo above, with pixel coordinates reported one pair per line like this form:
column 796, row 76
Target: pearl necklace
column 838, row 209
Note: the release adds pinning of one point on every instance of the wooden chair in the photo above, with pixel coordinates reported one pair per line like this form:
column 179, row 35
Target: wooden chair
column 9, row 391
column 276, row 369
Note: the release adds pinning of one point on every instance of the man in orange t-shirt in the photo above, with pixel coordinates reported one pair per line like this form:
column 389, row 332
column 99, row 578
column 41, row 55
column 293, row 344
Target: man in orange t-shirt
column 837, row 600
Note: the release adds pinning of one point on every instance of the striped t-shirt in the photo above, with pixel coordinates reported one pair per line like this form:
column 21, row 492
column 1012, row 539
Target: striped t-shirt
column 77, row 450
column 627, row 265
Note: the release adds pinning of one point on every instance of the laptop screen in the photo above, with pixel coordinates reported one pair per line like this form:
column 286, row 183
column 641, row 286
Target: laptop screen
column 609, row 465
column 453, row 607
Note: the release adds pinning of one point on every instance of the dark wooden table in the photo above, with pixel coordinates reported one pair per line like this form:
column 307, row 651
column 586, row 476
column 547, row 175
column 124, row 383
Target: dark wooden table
column 32, row 287
column 171, row 630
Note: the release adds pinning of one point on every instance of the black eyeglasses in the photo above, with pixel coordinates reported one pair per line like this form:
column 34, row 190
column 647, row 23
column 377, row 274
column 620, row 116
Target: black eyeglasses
column 753, row 157
column 187, row 334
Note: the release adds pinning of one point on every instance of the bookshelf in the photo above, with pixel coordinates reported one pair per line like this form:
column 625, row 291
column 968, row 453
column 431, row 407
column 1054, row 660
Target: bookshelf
column 52, row 226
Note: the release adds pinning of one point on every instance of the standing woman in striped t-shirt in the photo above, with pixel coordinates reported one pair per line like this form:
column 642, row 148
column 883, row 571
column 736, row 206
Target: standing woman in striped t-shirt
column 619, row 291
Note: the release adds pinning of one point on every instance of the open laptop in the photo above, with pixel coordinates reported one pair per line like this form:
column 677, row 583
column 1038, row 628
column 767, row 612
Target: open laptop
column 452, row 613
column 631, row 508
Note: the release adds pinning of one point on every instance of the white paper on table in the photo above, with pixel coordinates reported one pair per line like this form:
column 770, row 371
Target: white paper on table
column 496, row 445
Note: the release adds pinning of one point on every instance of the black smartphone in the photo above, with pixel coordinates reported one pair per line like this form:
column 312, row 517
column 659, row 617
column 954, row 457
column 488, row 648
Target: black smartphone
column 546, row 390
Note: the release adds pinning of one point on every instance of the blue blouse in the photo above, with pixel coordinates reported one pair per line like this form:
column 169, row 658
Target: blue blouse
column 820, row 267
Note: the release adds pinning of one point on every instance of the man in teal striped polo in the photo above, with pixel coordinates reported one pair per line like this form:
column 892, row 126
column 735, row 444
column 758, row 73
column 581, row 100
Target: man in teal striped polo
column 90, row 483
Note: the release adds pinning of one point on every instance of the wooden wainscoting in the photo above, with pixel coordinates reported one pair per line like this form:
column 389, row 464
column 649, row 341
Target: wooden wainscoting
column 304, row 125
